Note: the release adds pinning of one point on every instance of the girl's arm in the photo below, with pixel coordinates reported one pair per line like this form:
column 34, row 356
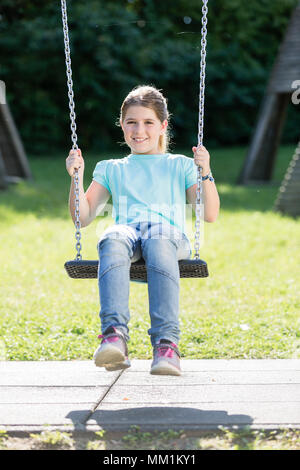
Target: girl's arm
column 211, row 198
column 91, row 202
column 97, row 197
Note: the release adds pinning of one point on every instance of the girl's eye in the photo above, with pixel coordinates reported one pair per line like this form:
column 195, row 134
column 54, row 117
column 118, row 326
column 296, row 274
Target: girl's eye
column 133, row 122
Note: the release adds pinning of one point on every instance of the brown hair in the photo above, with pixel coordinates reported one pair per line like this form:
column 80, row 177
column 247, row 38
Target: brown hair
column 149, row 97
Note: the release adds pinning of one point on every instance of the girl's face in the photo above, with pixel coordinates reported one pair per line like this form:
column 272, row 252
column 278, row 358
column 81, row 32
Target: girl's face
column 142, row 130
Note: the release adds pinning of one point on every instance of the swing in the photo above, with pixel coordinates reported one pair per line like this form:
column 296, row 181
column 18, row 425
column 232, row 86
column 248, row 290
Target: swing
column 88, row 269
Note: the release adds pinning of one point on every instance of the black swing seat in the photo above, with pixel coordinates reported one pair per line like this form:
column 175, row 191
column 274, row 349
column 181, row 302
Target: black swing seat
column 87, row 269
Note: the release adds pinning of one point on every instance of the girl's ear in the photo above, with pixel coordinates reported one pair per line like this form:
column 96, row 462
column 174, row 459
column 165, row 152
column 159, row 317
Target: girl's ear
column 164, row 126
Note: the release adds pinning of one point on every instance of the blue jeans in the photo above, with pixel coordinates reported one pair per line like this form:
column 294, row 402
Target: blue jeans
column 161, row 246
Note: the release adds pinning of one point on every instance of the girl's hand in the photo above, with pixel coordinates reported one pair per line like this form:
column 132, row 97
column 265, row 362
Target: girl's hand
column 75, row 161
column 202, row 158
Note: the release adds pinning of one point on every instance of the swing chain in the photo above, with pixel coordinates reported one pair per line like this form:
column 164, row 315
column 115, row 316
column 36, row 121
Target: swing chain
column 199, row 205
column 73, row 124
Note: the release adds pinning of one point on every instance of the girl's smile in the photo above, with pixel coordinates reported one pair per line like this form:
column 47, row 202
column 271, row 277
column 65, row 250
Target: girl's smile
column 142, row 130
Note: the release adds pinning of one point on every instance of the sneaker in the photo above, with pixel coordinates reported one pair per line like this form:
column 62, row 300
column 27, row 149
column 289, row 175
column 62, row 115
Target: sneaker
column 166, row 359
column 112, row 352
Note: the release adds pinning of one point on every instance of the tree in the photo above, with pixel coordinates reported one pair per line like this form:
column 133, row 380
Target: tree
column 117, row 45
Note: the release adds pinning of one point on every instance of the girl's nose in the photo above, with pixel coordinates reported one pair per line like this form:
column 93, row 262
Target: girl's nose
column 138, row 127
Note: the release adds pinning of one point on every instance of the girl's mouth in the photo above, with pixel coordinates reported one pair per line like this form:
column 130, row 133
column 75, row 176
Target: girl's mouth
column 138, row 140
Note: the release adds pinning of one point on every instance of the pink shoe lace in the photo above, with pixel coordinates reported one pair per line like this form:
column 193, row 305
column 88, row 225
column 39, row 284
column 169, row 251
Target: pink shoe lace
column 110, row 337
column 167, row 350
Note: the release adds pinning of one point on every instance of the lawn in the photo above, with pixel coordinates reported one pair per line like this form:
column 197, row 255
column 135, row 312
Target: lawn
column 247, row 308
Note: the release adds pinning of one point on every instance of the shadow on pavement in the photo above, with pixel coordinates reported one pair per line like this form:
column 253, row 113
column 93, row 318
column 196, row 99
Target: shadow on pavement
column 158, row 418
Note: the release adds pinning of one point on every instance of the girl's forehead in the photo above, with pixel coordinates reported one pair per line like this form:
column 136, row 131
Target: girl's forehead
column 140, row 112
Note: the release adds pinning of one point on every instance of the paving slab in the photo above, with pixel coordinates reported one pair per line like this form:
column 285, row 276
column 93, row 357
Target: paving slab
column 201, row 365
column 76, row 395
column 54, row 373
column 49, row 395
column 36, row 417
column 35, row 394
column 227, row 377
column 174, row 394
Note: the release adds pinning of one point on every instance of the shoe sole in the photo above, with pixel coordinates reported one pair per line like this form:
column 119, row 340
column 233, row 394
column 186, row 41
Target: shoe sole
column 111, row 358
column 118, row 366
column 164, row 368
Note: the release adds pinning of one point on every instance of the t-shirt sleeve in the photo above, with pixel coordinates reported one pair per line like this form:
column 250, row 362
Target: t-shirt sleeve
column 190, row 170
column 100, row 174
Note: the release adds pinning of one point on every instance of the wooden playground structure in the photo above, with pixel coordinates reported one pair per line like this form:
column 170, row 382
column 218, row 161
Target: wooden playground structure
column 13, row 161
column 261, row 156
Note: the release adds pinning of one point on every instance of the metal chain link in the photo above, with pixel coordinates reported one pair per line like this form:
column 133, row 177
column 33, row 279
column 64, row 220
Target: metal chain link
column 199, row 205
column 74, row 135
column 73, row 124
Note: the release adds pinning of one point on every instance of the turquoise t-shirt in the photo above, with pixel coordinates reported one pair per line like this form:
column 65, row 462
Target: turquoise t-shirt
column 148, row 187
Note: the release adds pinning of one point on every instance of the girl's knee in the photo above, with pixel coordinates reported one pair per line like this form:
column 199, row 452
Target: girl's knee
column 160, row 253
column 161, row 260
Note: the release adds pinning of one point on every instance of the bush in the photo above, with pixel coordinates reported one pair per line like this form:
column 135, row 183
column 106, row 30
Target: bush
column 117, row 45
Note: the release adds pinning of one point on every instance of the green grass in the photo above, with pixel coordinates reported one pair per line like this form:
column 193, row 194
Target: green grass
column 247, row 308
column 135, row 439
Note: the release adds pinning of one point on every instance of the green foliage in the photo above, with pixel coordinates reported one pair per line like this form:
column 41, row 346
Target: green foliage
column 118, row 45
column 53, row 439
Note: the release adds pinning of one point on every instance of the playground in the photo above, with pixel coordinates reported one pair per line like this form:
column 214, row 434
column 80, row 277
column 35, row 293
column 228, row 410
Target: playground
column 247, row 308
column 44, row 319
column 240, row 330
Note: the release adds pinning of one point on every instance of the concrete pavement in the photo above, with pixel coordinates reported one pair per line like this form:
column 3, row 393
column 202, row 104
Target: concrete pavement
column 77, row 396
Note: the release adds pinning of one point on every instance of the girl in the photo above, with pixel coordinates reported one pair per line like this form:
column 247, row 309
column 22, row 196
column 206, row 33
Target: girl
column 149, row 189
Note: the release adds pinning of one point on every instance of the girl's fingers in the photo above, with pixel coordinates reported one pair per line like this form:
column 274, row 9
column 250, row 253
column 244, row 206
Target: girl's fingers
column 201, row 155
column 74, row 161
column 75, row 155
column 201, row 147
column 75, row 152
column 199, row 150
